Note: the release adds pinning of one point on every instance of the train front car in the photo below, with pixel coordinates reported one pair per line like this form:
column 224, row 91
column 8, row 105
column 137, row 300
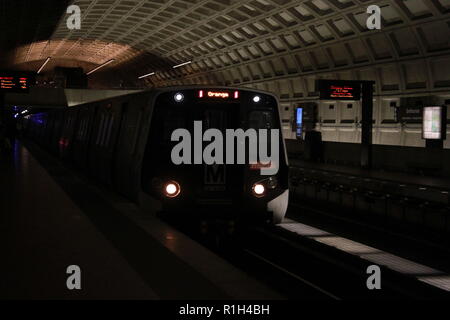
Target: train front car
column 217, row 154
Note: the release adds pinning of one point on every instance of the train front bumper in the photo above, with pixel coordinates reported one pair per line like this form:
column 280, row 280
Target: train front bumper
column 249, row 209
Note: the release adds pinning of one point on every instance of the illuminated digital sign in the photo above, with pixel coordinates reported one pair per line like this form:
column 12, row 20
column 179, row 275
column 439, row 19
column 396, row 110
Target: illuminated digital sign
column 432, row 123
column 223, row 95
column 299, row 122
column 218, row 94
column 15, row 82
column 339, row 90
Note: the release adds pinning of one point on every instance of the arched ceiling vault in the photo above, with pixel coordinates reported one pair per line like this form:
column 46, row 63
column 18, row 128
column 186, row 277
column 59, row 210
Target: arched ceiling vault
column 277, row 45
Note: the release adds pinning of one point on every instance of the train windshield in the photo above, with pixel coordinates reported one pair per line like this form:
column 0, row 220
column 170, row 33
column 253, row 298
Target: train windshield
column 173, row 119
column 259, row 119
column 236, row 111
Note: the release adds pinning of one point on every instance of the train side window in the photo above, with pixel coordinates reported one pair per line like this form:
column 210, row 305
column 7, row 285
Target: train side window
column 86, row 129
column 107, row 138
column 100, row 129
column 137, row 129
column 130, row 126
column 80, row 130
column 82, row 127
column 105, row 130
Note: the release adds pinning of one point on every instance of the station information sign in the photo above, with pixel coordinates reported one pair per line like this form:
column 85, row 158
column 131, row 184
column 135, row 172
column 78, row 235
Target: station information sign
column 15, row 82
column 339, row 90
column 432, row 123
column 410, row 114
column 299, row 123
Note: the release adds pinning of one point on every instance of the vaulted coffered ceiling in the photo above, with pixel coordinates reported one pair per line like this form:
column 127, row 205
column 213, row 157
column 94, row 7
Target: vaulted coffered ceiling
column 277, row 45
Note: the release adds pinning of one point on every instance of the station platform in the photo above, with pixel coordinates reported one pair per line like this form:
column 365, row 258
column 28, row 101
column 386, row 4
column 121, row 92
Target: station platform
column 372, row 255
column 50, row 220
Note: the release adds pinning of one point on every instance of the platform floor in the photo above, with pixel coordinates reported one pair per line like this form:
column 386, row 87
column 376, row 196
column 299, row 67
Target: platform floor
column 434, row 277
column 50, row 220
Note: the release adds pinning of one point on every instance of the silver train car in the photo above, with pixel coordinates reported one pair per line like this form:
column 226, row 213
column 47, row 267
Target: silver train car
column 127, row 143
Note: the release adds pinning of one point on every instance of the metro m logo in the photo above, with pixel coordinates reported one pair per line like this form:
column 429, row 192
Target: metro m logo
column 215, row 174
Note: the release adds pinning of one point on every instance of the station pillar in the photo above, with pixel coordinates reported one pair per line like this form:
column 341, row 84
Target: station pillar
column 367, row 124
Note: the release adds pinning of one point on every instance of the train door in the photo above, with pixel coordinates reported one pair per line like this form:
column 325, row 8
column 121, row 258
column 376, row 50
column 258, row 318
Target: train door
column 68, row 133
column 103, row 142
column 57, row 131
column 220, row 180
column 126, row 174
column 81, row 142
column 49, row 130
column 215, row 176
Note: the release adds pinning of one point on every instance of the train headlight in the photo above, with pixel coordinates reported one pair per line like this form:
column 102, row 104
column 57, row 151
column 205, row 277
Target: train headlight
column 256, row 99
column 259, row 190
column 172, row 189
column 179, row 97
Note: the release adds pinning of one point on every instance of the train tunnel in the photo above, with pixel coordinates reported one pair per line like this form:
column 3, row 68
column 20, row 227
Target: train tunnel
column 221, row 151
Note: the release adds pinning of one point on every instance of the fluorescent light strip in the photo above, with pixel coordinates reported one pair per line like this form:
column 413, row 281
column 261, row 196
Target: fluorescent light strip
column 100, row 66
column 183, row 64
column 43, row 66
column 147, row 75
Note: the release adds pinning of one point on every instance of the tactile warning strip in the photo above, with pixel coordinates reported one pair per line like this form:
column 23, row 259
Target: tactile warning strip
column 423, row 273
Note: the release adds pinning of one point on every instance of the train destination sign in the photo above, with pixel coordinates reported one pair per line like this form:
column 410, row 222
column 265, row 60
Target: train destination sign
column 13, row 82
column 218, row 94
column 339, row 90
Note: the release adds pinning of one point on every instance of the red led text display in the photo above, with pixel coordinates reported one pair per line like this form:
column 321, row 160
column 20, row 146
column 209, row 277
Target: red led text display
column 14, row 82
column 342, row 92
column 218, row 94
column 339, row 90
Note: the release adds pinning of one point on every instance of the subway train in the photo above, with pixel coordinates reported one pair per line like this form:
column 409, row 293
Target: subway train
column 127, row 143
